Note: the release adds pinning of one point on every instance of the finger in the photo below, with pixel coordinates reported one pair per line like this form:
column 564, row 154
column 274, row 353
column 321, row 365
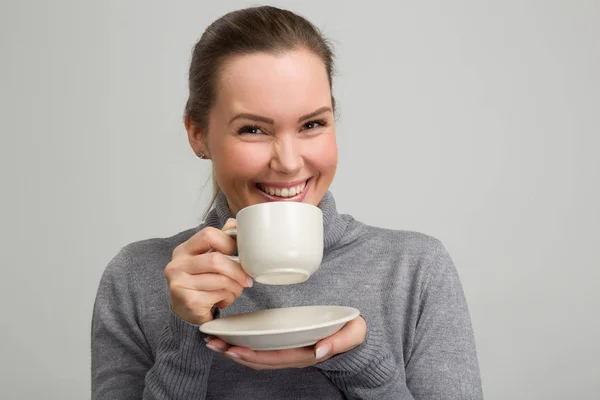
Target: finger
column 220, row 264
column 225, row 303
column 293, row 358
column 230, row 224
column 275, row 358
column 207, row 239
column 260, row 367
column 209, row 282
column 216, row 344
column 350, row 336
column 222, row 304
column 206, row 300
column 197, row 307
column 209, row 263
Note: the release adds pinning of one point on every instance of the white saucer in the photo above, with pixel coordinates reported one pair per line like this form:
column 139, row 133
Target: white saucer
column 280, row 328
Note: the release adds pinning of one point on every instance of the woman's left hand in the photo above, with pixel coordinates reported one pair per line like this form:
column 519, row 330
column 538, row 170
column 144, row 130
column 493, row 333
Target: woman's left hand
column 346, row 339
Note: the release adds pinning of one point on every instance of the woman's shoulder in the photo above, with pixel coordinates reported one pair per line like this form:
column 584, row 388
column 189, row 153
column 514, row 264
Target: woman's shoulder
column 398, row 241
column 158, row 246
column 147, row 254
column 411, row 255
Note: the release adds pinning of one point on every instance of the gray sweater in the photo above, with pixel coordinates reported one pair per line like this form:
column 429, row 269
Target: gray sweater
column 419, row 341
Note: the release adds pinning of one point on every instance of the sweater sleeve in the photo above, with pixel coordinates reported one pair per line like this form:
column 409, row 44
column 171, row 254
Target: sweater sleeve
column 123, row 364
column 368, row 371
column 443, row 362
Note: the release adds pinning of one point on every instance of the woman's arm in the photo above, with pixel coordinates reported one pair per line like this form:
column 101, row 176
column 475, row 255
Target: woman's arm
column 443, row 362
column 123, row 364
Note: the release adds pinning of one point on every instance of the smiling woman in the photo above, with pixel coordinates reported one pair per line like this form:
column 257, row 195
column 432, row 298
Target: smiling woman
column 278, row 108
column 261, row 109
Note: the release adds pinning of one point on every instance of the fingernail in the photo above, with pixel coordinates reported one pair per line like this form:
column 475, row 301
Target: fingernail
column 322, row 351
column 249, row 282
column 233, row 355
column 213, row 348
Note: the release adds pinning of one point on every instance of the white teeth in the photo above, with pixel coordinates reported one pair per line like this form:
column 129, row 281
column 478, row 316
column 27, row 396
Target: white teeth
column 285, row 192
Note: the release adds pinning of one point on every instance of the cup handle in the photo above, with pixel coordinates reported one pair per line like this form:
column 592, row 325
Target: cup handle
column 232, row 233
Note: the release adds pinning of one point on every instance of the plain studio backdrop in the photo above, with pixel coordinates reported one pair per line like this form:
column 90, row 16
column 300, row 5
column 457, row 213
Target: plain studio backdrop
column 474, row 122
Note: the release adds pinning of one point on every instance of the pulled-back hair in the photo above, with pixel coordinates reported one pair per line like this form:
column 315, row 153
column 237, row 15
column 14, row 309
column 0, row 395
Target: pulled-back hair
column 257, row 29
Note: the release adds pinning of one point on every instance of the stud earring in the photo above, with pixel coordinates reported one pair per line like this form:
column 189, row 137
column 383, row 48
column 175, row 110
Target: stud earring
column 201, row 155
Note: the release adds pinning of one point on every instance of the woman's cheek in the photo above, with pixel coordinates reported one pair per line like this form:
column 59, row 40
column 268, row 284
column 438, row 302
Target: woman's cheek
column 325, row 153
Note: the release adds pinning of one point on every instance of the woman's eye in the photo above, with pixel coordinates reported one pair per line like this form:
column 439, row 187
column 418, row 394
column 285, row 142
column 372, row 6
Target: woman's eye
column 250, row 129
column 313, row 124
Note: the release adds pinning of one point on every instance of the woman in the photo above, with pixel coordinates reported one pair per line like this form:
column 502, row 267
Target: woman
column 260, row 108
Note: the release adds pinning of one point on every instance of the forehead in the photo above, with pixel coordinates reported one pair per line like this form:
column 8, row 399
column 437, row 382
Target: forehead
column 280, row 85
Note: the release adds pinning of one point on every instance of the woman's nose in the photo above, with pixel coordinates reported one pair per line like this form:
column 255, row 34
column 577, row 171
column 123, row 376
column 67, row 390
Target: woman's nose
column 287, row 158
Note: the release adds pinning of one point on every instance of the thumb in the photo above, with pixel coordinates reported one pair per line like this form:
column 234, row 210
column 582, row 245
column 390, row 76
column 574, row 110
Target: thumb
column 346, row 339
column 230, row 224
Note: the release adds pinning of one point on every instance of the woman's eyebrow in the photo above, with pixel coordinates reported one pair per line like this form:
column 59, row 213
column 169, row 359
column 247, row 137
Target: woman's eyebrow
column 314, row 113
column 270, row 121
column 252, row 117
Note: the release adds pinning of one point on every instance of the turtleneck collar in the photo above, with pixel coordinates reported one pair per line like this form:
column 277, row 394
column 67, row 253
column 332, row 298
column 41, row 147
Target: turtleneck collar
column 334, row 224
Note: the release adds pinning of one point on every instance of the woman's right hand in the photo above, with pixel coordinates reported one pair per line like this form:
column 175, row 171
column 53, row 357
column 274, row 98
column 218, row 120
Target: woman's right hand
column 199, row 280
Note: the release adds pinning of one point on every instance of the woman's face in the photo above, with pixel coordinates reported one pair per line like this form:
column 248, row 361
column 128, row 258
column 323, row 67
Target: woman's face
column 271, row 133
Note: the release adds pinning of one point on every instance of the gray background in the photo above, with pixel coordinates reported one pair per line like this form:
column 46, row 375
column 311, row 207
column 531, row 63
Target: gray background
column 475, row 122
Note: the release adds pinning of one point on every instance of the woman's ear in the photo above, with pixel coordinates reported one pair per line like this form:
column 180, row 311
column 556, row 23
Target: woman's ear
column 197, row 138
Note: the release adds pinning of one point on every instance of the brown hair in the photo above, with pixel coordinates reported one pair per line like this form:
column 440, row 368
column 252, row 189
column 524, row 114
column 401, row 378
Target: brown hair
column 251, row 30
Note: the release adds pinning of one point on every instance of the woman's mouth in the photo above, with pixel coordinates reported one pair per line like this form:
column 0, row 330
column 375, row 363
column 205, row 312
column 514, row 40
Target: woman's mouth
column 283, row 191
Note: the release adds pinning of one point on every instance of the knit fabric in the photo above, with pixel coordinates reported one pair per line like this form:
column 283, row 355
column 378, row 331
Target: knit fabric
column 419, row 342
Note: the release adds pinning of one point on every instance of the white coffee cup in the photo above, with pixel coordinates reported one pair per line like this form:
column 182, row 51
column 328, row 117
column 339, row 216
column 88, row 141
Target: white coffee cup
column 279, row 243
